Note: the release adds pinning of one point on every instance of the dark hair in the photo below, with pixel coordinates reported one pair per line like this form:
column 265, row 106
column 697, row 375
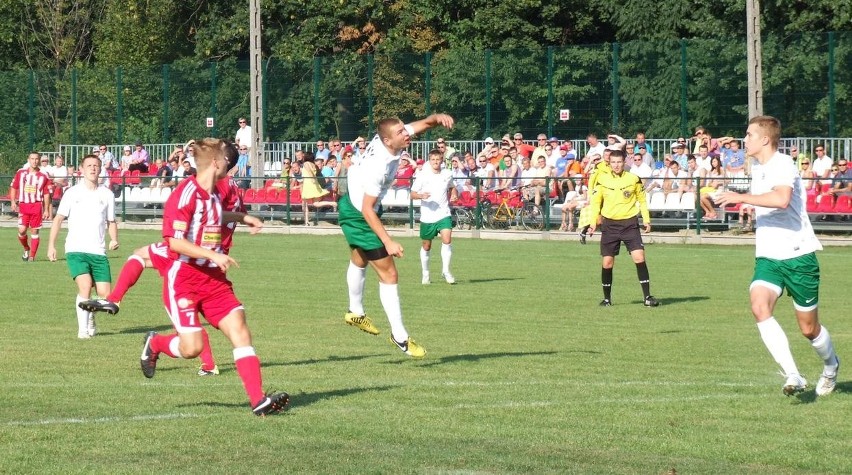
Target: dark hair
column 308, row 157
column 231, row 153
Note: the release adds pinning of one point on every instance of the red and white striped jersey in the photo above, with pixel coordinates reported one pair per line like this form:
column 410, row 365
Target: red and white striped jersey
column 231, row 201
column 193, row 214
column 30, row 187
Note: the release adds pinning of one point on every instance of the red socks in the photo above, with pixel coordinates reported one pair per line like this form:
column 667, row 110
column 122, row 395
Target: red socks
column 206, row 356
column 24, row 241
column 129, row 275
column 248, row 367
column 34, row 240
column 162, row 343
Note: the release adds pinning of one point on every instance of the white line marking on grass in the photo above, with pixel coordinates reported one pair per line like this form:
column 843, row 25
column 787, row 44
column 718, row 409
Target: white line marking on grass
column 625, row 400
column 597, row 383
column 101, row 420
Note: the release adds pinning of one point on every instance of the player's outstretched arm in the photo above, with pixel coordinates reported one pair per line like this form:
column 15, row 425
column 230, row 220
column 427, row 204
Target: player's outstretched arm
column 254, row 224
column 433, row 120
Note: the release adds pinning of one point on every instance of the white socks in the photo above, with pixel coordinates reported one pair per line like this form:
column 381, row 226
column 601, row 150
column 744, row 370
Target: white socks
column 355, row 278
column 424, row 261
column 823, row 347
column 779, row 347
column 82, row 318
column 446, row 255
column 389, row 295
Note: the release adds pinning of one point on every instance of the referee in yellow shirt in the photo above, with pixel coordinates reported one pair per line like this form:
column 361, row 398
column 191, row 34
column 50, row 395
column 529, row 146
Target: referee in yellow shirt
column 615, row 197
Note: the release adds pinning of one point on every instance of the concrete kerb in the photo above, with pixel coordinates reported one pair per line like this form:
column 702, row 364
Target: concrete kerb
column 679, row 237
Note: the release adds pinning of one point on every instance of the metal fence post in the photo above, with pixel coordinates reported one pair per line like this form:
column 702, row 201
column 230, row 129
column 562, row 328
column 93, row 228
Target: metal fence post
column 427, row 83
column 31, row 110
column 213, row 98
column 550, row 111
column 370, row 99
column 119, row 105
column 615, row 84
column 684, row 118
column 74, row 110
column 488, row 92
column 166, row 103
column 317, row 79
column 831, row 97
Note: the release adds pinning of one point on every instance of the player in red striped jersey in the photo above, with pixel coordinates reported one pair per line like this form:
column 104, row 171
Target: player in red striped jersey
column 30, row 196
column 156, row 256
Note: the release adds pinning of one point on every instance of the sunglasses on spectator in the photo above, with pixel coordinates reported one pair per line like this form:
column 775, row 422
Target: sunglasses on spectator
column 806, row 163
column 243, row 148
column 841, row 164
column 286, row 163
column 242, row 122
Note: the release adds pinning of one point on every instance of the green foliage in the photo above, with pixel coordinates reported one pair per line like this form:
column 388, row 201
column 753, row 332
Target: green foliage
column 524, row 372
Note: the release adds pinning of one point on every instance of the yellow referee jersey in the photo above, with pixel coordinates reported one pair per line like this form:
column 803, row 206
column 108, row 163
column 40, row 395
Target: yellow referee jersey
column 617, row 196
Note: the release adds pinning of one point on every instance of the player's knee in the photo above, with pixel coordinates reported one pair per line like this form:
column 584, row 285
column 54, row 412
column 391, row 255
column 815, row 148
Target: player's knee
column 190, row 347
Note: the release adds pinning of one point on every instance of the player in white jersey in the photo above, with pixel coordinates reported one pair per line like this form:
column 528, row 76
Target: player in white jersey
column 785, row 255
column 90, row 209
column 359, row 216
column 431, row 187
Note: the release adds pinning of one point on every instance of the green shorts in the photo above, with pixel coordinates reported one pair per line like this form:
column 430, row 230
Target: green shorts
column 97, row 266
column 355, row 228
column 428, row 231
column 800, row 276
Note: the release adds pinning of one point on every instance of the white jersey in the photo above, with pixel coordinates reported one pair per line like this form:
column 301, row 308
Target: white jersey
column 437, row 206
column 782, row 233
column 88, row 212
column 373, row 173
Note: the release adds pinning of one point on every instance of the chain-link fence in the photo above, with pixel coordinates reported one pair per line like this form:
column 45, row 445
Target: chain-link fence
column 665, row 88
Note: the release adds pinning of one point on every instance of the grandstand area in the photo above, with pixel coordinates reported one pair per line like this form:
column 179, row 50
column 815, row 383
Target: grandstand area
column 524, row 372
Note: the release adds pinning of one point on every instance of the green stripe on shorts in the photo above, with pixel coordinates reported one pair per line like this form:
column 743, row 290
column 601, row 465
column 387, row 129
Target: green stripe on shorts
column 799, row 275
column 96, row 265
column 428, row 231
column 355, row 228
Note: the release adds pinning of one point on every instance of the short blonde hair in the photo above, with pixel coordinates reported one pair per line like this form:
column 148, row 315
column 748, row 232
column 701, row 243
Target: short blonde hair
column 771, row 128
column 206, row 152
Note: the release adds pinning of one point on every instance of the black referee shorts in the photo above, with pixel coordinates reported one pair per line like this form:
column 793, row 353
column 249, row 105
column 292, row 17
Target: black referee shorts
column 616, row 231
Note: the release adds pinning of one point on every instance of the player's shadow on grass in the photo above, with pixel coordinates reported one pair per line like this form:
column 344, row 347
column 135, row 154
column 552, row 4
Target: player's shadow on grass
column 495, row 279
column 810, row 396
column 329, row 359
column 677, row 300
column 143, row 330
column 472, row 358
column 300, row 399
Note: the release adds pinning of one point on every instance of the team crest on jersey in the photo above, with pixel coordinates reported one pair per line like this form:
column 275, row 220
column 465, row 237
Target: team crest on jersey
column 627, row 193
column 179, row 225
column 184, row 302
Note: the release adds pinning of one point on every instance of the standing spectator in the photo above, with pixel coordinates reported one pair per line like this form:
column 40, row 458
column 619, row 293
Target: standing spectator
column 139, row 159
column 459, row 173
column 541, row 143
column 402, row 179
column 445, row 149
column 359, row 147
column 29, row 194
column 434, row 188
column 321, row 152
column 243, row 170
column 595, row 146
column 369, row 241
column 785, row 250
column 524, row 150
column 243, row 137
column 108, row 160
column 189, row 153
column 619, row 198
column 196, row 283
column 703, row 137
column 90, row 209
column 640, row 143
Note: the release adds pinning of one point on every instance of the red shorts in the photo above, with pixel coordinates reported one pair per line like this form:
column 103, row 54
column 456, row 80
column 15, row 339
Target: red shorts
column 188, row 291
column 29, row 215
column 158, row 253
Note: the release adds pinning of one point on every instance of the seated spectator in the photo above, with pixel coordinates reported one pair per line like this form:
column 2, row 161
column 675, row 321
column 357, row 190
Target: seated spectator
column 702, row 137
column 510, row 177
column 126, row 159
column 679, row 155
column 809, row 178
column 647, row 158
column 747, row 214
column 573, row 201
column 328, row 169
column 714, row 182
column 139, row 159
column 693, row 172
column 296, row 175
column 108, row 160
column 164, row 173
column 460, row 175
column 670, row 178
column 640, row 168
column 536, row 186
column 733, row 158
column 286, row 173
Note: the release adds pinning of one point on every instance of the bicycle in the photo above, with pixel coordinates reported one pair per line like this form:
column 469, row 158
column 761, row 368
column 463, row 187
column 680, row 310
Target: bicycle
column 465, row 212
column 513, row 210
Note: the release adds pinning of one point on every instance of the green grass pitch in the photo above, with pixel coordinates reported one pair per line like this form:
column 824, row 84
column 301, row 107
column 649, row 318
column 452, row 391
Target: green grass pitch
column 524, row 372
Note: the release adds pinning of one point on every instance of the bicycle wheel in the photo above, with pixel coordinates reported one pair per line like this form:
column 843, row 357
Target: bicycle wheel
column 486, row 215
column 463, row 218
column 532, row 217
